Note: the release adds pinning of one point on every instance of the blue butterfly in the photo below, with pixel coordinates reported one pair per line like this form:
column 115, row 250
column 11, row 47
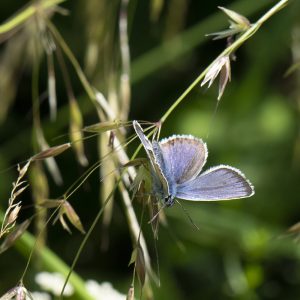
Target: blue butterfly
column 176, row 164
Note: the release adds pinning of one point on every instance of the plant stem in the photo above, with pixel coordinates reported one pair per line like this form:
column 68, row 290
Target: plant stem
column 27, row 13
column 232, row 48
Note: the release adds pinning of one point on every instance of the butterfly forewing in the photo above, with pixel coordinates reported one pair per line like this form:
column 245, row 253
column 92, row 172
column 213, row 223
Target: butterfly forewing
column 184, row 156
column 156, row 160
column 218, row 183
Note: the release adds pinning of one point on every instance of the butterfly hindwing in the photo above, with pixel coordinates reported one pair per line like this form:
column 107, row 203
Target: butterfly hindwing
column 218, row 183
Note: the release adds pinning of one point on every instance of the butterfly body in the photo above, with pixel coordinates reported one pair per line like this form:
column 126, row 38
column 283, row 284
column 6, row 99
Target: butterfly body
column 176, row 165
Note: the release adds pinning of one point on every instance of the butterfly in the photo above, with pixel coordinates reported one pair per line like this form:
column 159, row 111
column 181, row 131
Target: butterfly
column 176, row 164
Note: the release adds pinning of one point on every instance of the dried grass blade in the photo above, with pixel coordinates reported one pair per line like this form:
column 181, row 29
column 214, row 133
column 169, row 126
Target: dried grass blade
column 72, row 216
column 22, row 171
column 21, row 190
column 104, row 126
column 51, row 152
column 64, row 224
column 236, row 17
column 12, row 217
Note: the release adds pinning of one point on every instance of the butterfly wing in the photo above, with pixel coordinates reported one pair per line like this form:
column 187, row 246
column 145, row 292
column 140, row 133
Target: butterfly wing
column 218, row 183
column 156, row 161
column 184, row 156
column 145, row 141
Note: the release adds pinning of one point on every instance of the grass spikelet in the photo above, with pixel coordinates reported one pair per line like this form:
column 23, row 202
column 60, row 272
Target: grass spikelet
column 12, row 212
column 18, row 293
column 104, row 126
column 65, row 209
column 51, row 152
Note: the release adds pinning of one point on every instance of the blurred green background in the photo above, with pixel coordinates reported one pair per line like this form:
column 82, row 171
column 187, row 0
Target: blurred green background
column 242, row 250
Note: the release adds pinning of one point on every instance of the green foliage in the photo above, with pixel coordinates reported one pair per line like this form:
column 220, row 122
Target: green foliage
column 242, row 249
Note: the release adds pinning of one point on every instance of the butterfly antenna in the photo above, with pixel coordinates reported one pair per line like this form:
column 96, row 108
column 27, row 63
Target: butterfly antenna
column 187, row 214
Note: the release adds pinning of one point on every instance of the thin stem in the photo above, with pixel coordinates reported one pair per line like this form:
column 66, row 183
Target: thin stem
column 27, row 13
column 88, row 88
column 34, row 247
column 232, row 48
column 280, row 5
column 88, row 234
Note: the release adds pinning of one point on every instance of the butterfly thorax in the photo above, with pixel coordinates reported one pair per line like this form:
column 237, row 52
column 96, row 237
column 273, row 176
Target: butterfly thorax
column 166, row 198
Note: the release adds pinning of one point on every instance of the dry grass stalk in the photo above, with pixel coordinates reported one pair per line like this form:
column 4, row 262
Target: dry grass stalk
column 12, row 212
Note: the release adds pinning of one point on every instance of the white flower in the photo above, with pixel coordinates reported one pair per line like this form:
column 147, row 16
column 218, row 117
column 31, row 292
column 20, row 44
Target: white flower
column 103, row 291
column 53, row 282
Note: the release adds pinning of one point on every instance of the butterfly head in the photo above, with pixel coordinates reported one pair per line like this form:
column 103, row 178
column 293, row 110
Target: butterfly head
column 169, row 200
